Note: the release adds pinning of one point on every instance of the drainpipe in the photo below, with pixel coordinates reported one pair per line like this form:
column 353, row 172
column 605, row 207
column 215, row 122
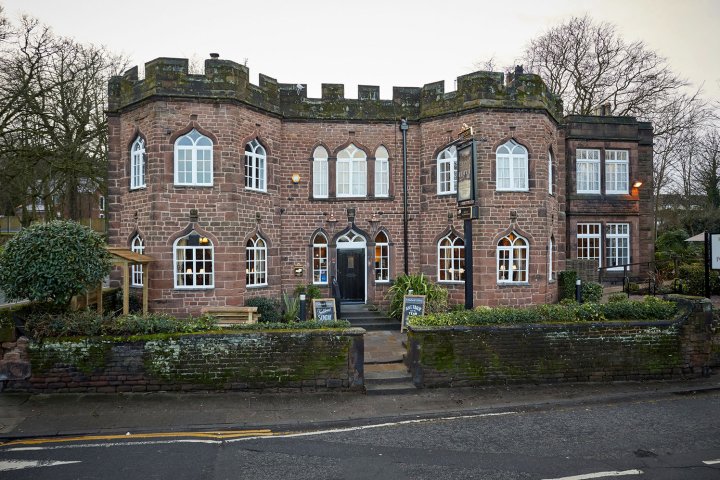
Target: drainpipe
column 403, row 129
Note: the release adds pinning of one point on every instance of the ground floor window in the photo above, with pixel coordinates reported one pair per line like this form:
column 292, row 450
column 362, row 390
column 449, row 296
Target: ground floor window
column 194, row 266
column 136, row 271
column 451, row 259
column 617, row 244
column 320, row 259
column 588, row 241
column 382, row 258
column 512, row 259
column 256, row 261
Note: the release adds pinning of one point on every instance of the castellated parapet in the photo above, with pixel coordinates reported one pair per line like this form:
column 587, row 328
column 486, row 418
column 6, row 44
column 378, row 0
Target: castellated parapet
column 227, row 81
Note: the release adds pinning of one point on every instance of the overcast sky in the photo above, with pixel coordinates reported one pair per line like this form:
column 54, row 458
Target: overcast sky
column 374, row 42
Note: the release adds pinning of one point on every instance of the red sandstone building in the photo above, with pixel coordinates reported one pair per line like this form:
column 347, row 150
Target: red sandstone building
column 240, row 190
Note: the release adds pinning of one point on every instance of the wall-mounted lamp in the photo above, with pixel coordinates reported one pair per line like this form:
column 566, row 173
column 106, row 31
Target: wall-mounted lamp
column 331, row 219
column 637, row 184
column 298, row 270
column 295, row 178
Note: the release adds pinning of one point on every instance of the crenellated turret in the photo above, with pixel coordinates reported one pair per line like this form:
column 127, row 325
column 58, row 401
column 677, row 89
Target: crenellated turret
column 228, row 81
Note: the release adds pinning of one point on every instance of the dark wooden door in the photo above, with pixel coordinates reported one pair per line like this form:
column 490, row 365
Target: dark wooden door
column 351, row 274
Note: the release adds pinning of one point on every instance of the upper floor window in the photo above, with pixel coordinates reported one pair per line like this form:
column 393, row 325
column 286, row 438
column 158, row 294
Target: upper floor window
column 550, row 173
column 194, row 160
column 193, row 258
column 320, row 173
column 382, row 258
column 588, row 170
column 351, row 172
column 512, row 259
column 256, row 261
column 382, row 172
column 320, row 259
column 616, row 171
column 136, row 271
column 255, row 166
column 512, row 167
column 451, row 259
column 446, row 165
column 137, row 164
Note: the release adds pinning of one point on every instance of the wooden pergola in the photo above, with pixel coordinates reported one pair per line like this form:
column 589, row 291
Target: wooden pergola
column 123, row 258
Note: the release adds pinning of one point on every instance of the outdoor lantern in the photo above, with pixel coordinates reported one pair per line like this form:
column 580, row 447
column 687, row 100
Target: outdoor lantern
column 295, row 178
column 637, row 184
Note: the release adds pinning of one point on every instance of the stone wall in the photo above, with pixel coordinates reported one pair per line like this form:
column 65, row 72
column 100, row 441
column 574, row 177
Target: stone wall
column 610, row 351
column 268, row 361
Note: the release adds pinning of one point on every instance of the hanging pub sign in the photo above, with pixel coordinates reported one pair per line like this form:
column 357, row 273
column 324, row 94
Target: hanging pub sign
column 466, row 172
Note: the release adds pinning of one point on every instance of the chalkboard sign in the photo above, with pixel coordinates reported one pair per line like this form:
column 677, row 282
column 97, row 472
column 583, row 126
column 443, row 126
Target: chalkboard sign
column 413, row 305
column 324, row 309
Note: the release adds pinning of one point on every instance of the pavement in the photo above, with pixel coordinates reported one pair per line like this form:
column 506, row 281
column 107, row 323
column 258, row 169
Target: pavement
column 26, row 416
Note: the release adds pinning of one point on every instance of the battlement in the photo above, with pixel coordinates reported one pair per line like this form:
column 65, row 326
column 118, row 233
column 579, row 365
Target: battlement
column 225, row 80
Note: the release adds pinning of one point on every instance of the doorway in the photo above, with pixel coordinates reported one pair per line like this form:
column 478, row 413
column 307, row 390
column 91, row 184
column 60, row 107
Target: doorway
column 351, row 268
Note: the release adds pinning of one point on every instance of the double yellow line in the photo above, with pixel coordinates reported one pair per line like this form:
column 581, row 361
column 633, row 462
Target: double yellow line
column 218, row 435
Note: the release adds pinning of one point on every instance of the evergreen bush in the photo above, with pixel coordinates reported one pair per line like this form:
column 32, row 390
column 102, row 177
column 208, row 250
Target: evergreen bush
column 268, row 309
column 566, row 284
column 436, row 298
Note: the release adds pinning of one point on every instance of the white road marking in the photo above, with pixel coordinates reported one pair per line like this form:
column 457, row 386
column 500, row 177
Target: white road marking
column 110, row 444
column 8, row 465
column 711, row 462
column 587, row 476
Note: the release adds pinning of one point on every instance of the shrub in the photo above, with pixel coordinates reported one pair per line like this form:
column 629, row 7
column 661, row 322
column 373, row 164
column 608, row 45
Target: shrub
column 267, row 308
column 436, row 298
column 566, row 284
column 50, row 262
column 591, row 292
column 693, row 280
column 308, row 325
column 291, row 307
column 617, row 297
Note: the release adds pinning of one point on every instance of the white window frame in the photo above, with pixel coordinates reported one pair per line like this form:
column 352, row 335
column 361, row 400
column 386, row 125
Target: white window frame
column 256, row 262
column 587, row 170
column 320, row 173
column 320, row 255
column 446, row 166
column 617, row 241
column 551, row 259
column 351, row 172
column 136, row 270
column 511, row 167
column 382, row 258
column 198, row 153
column 589, row 239
column 137, row 164
column 382, row 173
column 513, row 260
column 255, row 167
column 617, row 172
column 550, row 173
column 451, row 259
column 192, row 262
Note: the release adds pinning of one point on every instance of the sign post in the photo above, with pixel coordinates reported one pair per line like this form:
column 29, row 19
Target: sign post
column 413, row 305
column 466, row 198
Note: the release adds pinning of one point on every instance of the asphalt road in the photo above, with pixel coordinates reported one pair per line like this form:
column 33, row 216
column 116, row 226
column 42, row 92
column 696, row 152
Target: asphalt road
column 673, row 437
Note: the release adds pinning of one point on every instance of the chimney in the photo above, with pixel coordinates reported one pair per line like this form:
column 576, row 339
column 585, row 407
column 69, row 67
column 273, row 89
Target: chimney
column 215, row 56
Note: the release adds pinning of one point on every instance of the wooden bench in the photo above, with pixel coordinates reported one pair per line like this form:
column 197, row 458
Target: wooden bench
column 232, row 315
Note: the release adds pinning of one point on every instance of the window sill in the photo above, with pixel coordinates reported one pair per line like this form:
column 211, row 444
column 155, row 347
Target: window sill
column 264, row 285
column 446, row 194
column 452, row 282
column 256, row 190
column 141, row 187
column 513, row 284
column 193, row 185
column 513, row 190
column 196, row 289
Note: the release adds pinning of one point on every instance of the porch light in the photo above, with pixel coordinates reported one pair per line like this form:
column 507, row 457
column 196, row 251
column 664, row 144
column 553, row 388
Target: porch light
column 637, row 184
column 295, row 178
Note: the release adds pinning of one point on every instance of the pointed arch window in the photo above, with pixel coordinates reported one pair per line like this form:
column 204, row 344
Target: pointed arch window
column 194, row 160
column 320, row 259
column 446, row 165
column 451, row 259
column 382, row 258
column 351, row 172
column 193, row 258
column 512, row 259
column 255, row 166
column 137, row 164
column 512, row 167
column 382, row 172
column 136, row 271
column 320, row 173
column 256, row 261
column 550, row 172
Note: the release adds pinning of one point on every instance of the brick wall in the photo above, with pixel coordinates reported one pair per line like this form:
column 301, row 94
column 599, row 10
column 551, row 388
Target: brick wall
column 271, row 361
column 613, row 351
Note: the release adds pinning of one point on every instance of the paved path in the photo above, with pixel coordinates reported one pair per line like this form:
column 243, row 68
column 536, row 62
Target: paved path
column 384, row 346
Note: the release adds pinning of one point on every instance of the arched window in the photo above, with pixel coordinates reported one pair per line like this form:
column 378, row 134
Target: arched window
column 320, row 259
column 137, row 164
column 193, row 258
column 382, row 172
column 512, row 167
column 382, row 258
column 512, row 259
column 136, row 271
column 446, row 165
column 351, row 172
column 451, row 259
column 320, row 173
column 551, row 258
column 194, row 160
column 256, row 261
column 550, row 173
column 255, row 166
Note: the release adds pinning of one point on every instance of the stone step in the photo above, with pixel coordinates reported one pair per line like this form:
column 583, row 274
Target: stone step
column 388, row 379
column 390, row 388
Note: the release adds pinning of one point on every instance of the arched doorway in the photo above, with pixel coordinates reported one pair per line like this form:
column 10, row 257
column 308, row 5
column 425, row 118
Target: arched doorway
column 351, row 267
